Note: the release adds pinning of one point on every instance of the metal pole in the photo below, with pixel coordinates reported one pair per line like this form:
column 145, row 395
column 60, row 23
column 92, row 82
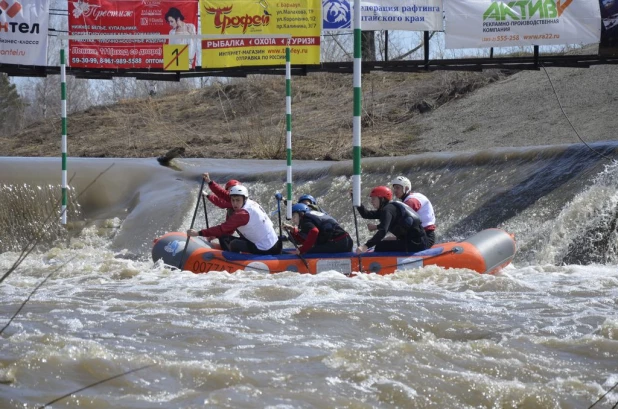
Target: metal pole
column 386, row 45
column 426, row 48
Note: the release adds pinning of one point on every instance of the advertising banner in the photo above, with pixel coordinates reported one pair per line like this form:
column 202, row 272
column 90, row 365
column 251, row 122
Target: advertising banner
column 494, row 23
column 411, row 15
column 609, row 29
column 23, row 31
column 152, row 17
column 240, row 19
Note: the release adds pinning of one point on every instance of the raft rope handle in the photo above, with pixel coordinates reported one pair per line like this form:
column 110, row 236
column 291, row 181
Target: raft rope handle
column 192, row 223
column 243, row 266
column 454, row 250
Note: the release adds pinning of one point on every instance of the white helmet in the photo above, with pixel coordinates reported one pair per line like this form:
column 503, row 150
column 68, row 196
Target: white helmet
column 239, row 190
column 403, row 181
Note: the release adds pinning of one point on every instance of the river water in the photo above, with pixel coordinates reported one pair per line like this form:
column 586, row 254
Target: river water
column 543, row 333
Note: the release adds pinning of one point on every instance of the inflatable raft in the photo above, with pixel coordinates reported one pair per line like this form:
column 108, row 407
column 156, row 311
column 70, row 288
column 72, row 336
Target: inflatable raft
column 485, row 252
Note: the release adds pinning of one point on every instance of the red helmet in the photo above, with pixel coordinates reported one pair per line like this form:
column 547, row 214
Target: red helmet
column 382, row 192
column 231, row 183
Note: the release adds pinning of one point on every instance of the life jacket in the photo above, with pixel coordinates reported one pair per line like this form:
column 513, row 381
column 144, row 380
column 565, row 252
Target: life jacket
column 259, row 230
column 428, row 218
column 408, row 225
column 316, row 208
column 328, row 226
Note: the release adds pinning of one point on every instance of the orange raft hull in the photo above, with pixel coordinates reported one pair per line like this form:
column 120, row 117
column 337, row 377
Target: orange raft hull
column 486, row 252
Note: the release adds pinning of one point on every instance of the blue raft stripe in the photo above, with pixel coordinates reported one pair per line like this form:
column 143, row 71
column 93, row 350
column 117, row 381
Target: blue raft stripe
column 228, row 255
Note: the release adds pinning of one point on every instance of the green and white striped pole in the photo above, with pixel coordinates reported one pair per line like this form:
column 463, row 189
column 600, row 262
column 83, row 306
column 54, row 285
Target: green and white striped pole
column 356, row 122
column 63, row 105
column 288, row 120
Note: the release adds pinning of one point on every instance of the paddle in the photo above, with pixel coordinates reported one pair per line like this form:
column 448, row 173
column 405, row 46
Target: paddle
column 192, row 222
column 279, row 197
column 355, row 220
column 205, row 210
column 360, row 263
column 356, row 226
column 300, row 255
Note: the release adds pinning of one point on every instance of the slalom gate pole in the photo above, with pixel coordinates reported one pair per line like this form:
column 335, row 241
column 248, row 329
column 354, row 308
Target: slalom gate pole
column 356, row 121
column 288, row 135
column 63, row 107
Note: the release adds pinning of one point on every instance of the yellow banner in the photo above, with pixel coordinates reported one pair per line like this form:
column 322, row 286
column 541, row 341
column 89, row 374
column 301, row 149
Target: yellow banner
column 242, row 18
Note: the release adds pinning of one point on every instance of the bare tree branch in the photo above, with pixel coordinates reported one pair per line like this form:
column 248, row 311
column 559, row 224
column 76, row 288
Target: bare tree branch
column 30, row 246
column 340, row 46
column 402, row 56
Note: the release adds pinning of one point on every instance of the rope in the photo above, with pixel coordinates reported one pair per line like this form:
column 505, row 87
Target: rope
column 569, row 121
column 93, row 384
column 32, row 293
column 604, row 395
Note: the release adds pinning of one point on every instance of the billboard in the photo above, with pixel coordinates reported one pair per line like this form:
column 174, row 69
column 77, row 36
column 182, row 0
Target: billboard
column 410, row 15
column 238, row 20
column 23, row 31
column 100, row 17
column 494, row 23
column 609, row 29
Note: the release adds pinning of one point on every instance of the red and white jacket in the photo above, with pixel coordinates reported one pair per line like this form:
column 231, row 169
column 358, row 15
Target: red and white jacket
column 421, row 205
column 252, row 222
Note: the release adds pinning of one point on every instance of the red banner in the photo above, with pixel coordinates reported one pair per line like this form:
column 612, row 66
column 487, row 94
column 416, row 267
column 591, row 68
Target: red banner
column 129, row 17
